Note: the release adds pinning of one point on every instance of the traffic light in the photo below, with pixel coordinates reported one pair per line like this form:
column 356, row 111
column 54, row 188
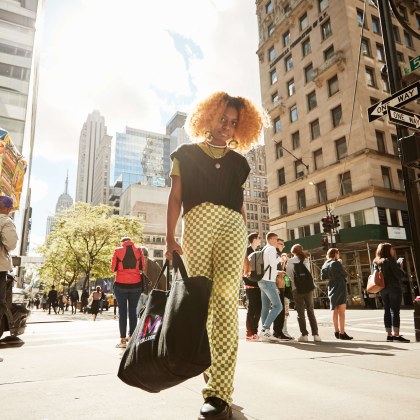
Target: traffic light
column 336, row 222
column 327, row 224
column 325, row 244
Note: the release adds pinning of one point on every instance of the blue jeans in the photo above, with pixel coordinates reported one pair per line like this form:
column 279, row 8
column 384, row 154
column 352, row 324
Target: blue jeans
column 391, row 299
column 126, row 297
column 269, row 295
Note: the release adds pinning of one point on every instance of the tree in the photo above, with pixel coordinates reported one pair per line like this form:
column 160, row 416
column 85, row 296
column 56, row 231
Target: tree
column 83, row 241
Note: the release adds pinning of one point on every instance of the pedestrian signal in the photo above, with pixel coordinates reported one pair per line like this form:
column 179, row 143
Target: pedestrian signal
column 336, row 222
column 325, row 244
column 327, row 224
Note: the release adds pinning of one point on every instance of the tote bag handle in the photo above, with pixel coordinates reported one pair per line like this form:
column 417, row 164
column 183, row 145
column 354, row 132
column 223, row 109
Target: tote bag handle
column 178, row 265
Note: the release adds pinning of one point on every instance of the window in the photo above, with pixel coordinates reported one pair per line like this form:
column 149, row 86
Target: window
column 271, row 54
column 359, row 17
column 380, row 141
column 341, row 148
column 275, row 97
column 322, row 4
column 336, row 114
column 301, row 199
column 288, row 62
column 158, row 253
column 273, row 76
column 385, row 83
column 281, row 176
column 394, row 139
column 311, row 97
column 386, row 177
column 315, row 129
column 373, row 101
column 396, row 33
column 400, row 179
column 270, row 29
column 382, row 216
column 380, row 52
column 393, row 215
column 303, row 22
column 403, row 13
column 283, row 205
column 286, row 39
column 279, row 150
column 400, row 57
column 309, row 73
column 299, row 169
column 277, row 125
column 318, row 159
column 366, row 47
column 376, row 25
column 293, row 113
column 291, row 234
column 317, row 228
column 370, row 77
column 295, row 140
column 306, row 47
column 345, row 180
column 346, row 221
column 15, row 72
column 291, row 87
column 408, row 40
column 333, row 87
column 326, row 30
column 268, row 7
column 359, row 218
column 321, row 189
column 329, row 52
column 304, row 231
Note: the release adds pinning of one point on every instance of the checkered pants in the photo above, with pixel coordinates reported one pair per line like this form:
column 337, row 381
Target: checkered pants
column 214, row 243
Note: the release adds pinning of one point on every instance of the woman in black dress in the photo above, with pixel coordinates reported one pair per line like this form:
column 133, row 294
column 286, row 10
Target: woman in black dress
column 96, row 298
column 333, row 271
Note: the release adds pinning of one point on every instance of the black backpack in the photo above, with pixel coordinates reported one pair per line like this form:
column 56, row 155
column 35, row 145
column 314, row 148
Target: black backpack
column 303, row 278
column 256, row 260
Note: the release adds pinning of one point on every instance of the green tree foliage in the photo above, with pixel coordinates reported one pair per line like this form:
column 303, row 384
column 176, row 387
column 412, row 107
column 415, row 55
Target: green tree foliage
column 83, row 241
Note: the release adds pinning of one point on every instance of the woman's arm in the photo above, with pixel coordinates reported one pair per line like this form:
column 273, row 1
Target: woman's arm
column 172, row 216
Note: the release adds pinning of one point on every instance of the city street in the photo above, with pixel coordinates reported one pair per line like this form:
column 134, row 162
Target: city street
column 66, row 369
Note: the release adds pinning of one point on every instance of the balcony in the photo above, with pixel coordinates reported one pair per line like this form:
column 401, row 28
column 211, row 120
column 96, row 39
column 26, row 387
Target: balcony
column 329, row 68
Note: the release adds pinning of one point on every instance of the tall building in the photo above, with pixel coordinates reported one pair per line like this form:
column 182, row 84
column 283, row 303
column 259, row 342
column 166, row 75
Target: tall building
column 175, row 128
column 255, row 193
column 317, row 156
column 18, row 66
column 142, row 157
column 101, row 177
column 91, row 136
column 64, row 202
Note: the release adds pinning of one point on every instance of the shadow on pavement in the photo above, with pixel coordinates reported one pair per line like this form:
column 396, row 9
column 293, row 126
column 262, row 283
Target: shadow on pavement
column 11, row 341
column 346, row 347
column 237, row 413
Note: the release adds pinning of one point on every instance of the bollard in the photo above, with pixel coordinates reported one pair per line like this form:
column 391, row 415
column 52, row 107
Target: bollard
column 417, row 318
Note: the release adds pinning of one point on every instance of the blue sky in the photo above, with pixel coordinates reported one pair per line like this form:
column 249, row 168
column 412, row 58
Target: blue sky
column 137, row 63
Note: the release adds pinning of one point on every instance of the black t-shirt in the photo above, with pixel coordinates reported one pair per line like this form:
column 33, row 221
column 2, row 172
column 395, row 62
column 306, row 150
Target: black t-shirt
column 248, row 282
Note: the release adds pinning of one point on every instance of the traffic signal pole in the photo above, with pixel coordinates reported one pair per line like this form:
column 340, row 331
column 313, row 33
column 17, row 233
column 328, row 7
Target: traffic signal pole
column 394, row 78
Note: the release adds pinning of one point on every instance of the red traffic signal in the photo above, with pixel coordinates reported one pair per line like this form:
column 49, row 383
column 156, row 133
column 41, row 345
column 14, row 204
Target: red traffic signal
column 325, row 244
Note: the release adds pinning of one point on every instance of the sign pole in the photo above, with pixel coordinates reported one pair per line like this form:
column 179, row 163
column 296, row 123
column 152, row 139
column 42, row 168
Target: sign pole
column 394, row 77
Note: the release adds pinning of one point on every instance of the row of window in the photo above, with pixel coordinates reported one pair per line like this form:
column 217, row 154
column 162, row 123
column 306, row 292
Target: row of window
column 257, row 194
column 15, row 72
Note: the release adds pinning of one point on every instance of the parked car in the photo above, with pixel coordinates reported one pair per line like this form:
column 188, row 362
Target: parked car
column 16, row 313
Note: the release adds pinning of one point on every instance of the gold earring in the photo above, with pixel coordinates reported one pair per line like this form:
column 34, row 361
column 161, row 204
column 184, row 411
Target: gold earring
column 208, row 135
column 233, row 144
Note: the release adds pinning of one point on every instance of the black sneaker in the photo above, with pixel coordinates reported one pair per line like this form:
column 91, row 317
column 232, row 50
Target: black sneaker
column 345, row 337
column 216, row 409
column 283, row 337
column 390, row 338
column 400, row 338
column 337, row 334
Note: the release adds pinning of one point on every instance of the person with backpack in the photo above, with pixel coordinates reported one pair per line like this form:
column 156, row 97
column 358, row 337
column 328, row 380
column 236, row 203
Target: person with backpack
column 253, row 293
column 127, row 263
column 74, row 298
column 391, row 294
column 333, row 271
column 298, row 270
column 269, row 292
column 52, row 300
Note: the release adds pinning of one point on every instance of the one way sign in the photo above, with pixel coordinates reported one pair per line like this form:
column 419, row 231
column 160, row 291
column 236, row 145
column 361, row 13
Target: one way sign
column 403, row 96
column 403, row 117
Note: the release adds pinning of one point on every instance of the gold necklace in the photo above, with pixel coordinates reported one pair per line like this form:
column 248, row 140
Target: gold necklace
column 217, row 164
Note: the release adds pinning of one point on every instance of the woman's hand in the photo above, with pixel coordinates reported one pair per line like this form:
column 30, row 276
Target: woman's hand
column 172, row 246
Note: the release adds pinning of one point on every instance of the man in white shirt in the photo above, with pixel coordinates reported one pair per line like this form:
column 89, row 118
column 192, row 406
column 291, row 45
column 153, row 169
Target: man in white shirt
column 269, row 292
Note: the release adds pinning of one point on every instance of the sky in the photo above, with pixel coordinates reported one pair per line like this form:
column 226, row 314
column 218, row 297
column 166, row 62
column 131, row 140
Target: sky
column 137, row 62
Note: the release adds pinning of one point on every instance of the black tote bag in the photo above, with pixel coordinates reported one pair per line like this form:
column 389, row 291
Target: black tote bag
column 170, row 343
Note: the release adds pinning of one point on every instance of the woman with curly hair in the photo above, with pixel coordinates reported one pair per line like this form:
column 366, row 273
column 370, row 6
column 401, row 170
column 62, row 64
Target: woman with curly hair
column 207, row 182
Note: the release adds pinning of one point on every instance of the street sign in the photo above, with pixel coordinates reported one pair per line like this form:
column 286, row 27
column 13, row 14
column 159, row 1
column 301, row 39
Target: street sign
column 414, row 64
column 404, row 117
column 398, row 99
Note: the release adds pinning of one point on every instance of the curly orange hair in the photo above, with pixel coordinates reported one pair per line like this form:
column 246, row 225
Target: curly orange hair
column 207, row 112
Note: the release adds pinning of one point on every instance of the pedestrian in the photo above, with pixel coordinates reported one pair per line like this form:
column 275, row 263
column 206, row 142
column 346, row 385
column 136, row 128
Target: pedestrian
column 302, row 300
column 37, row 302
column 8, row 241
column 278, row 323
column 52, row 300
column 94, row 301
column 127, row 263
column 207, row 181
column 84, row 300
column 253, row 293
column 269, row 292
column 61, row 303
column 333, row 271
column 151, row 271
column 74, row 298
column 44, row 301
column 391, row 295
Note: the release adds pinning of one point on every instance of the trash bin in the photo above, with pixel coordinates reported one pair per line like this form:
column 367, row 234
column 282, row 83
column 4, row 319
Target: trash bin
column 417, row 318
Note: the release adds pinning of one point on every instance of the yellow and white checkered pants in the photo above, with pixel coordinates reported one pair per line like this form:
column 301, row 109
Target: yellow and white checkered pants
column 214, row 243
